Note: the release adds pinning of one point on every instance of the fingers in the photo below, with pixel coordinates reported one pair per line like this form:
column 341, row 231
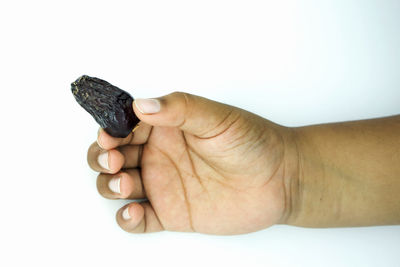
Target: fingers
column 107, row 161
column 113, row 160
column 193, row 114
column 132, row 155
column 140, row 136
column 139, row 218
column 126, row 184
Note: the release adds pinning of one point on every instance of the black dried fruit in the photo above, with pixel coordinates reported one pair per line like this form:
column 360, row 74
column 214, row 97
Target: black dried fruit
column 110, row 106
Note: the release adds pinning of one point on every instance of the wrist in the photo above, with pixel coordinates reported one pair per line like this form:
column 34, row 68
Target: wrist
column 307, row 200
column 292, row 179
column 340, row 183
column 312, row 194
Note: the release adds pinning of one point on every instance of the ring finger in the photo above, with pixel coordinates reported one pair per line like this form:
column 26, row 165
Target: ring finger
column 126, row 184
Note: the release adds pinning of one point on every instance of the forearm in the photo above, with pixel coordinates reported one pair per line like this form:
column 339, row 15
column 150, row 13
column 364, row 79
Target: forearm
column 349, row 174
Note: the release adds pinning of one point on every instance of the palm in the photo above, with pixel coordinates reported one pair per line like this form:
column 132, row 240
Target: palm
column 230, row 183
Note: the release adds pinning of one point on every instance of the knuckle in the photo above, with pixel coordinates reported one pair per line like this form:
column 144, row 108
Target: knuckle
column 182, row 97
column 100, row 183
column 91, row 149
column 102, row 186
column 177, row 94
column 92, row 153
column 184, row 103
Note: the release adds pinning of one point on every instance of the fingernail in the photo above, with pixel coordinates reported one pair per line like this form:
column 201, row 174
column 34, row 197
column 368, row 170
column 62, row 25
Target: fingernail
column 103, row 160
column 125, row 214
column 114, row 185
column 148, row 106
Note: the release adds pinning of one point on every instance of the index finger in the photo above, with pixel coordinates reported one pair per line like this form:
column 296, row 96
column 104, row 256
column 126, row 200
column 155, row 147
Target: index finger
column 138, row 137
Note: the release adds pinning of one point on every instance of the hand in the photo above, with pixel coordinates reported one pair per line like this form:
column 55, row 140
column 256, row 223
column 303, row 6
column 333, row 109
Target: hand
column 202, row 166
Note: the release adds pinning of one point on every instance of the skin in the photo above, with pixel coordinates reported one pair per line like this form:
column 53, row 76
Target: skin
column 350, row 174
column 202, row 166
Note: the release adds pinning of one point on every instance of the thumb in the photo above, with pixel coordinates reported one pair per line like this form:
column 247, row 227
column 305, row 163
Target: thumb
column 193, row 114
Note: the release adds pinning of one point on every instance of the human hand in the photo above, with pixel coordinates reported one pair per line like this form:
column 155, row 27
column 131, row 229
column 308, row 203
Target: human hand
column 202, row 166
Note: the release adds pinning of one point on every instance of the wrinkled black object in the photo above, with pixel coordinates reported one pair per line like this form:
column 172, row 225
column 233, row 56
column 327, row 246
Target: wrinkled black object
column 110, row 106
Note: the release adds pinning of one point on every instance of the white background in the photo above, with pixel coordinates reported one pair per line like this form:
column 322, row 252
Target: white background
column 293, row 62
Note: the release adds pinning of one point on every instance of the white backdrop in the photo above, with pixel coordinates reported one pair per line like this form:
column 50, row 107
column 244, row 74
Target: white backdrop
column 293, row 62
